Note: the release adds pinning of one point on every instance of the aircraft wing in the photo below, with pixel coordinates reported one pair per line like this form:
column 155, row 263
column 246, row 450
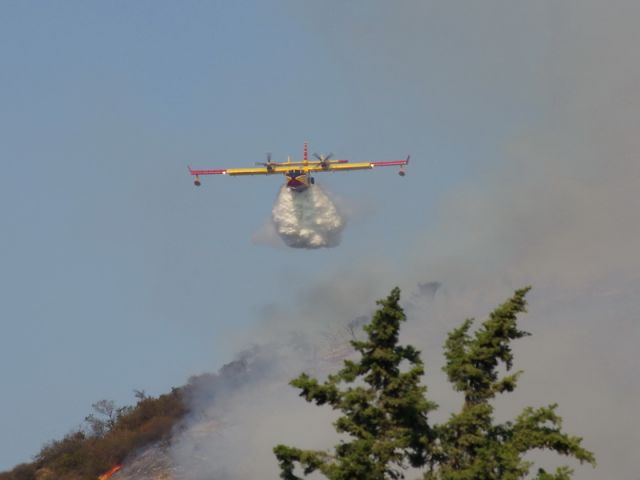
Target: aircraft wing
column 341, row 167
column 235, row 171
column 277, row 168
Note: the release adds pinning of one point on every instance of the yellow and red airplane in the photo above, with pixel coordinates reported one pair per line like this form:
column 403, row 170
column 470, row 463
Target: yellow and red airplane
column 298, row 174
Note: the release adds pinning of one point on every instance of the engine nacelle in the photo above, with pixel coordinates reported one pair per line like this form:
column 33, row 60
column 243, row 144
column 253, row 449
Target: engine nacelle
column 196, row 182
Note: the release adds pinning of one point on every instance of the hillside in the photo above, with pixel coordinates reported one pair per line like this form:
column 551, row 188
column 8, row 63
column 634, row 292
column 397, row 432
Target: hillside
column 138, row 436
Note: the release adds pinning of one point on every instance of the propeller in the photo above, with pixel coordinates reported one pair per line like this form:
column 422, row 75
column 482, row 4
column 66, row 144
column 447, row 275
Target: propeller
column 324, row 159
column 268, row 163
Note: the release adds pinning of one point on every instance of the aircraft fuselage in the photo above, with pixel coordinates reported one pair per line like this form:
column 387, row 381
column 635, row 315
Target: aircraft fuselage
column 298, row 180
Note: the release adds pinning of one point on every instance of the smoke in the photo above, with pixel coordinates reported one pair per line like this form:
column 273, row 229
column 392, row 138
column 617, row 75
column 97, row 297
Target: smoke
column 307, row 219
column 243, row 411
column 559, row 211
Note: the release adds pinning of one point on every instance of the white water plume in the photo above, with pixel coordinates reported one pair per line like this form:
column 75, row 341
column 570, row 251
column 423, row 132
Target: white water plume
column 307, row 219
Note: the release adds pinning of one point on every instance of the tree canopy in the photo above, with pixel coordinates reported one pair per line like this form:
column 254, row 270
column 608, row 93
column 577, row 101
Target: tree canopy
column 385, row 416
column 385, row 408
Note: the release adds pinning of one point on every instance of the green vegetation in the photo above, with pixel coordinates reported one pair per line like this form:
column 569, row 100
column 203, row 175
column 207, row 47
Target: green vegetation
column 113, row 434
column 385, row 409
column 385, row 414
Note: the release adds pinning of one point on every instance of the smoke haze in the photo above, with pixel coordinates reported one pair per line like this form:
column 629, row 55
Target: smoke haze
column 560, row 210
column 238, row 417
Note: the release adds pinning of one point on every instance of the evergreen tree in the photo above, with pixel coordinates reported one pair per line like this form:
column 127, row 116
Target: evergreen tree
column 384, row 408
column 470, row 445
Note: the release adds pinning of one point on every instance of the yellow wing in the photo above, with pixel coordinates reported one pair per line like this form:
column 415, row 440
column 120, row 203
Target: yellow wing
column 234, row 171
column 249, row 171
column 345, row 166
column 340, row 167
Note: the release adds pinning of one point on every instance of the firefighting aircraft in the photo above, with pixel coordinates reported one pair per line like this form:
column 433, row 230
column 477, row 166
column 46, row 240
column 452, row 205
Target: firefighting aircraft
column 298, row 174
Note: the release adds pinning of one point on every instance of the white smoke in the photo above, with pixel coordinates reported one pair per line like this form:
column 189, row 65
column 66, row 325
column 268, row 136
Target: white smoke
column 563, row 216
column 241, row 413
column 307, row 219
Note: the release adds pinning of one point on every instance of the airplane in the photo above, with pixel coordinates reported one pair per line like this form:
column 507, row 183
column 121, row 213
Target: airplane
column 298, row 174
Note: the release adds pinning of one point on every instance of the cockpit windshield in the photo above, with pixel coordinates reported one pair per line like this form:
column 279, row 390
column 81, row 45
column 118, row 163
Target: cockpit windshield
column 294, row 173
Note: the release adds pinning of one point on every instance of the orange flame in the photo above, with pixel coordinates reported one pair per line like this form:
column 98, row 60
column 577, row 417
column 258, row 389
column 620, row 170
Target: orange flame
column 107, row 475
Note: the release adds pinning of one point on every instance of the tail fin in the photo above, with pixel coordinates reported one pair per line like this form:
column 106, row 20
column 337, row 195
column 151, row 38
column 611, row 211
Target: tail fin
column 305, row 152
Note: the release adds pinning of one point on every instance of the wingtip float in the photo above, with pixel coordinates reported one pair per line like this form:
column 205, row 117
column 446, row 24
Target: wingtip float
column 298, row 174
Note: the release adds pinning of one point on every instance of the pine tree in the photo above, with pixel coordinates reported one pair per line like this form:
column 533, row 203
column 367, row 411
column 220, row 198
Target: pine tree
column 471, row 446
column 384, row 408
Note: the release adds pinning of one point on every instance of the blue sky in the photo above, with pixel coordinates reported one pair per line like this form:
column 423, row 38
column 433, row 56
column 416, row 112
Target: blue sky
column 117, row 274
